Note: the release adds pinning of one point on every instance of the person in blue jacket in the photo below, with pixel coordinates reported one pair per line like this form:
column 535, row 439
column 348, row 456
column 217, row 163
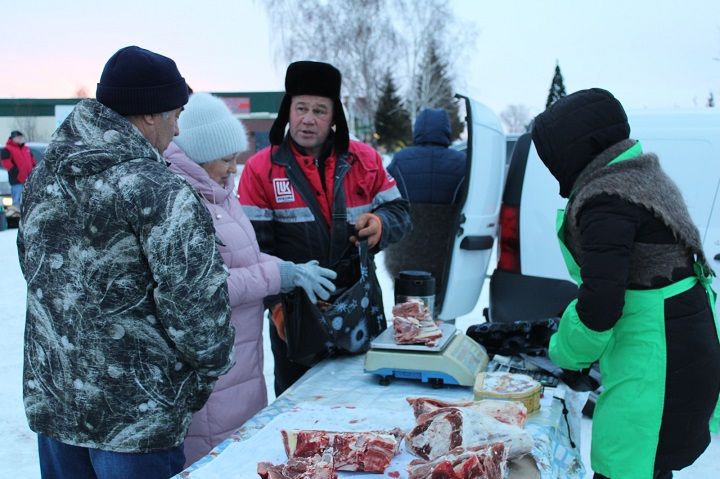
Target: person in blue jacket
column 429, row 171
column 430, row 176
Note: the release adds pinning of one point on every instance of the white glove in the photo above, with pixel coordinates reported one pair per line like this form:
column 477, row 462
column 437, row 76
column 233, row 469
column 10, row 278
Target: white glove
column 311, row 277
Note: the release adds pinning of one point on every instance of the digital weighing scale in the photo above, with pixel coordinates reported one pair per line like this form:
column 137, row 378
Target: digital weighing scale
column 456, row 359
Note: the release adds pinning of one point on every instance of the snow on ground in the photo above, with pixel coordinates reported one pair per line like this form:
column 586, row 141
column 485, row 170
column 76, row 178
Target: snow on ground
column 18, row 454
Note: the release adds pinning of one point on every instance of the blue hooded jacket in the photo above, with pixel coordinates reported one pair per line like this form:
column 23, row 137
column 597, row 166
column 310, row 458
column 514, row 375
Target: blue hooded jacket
column 429, row 171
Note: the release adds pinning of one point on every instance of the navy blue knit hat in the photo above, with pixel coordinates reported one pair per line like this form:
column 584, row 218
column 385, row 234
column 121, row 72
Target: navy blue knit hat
column 136, row 81
column 317, row 79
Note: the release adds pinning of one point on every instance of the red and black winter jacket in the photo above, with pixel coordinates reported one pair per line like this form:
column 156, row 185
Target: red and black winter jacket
column 18, row 161
column 274, row 190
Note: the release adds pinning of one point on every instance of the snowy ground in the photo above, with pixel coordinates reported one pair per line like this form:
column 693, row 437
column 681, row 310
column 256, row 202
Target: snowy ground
column 18, row 454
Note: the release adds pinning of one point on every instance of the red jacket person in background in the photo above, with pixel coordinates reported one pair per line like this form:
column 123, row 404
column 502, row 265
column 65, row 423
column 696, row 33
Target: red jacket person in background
column 293, row 190
column 18, row 160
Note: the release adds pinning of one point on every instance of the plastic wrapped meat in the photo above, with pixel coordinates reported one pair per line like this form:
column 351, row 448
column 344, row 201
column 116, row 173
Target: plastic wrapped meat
column 412, row 324
column 485, row 462
column 509, row 412
column 369, row 451
column 438, row 432
column 414, row 308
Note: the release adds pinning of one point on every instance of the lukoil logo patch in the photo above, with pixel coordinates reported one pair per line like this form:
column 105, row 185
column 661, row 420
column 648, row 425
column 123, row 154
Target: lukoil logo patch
column 283, row 190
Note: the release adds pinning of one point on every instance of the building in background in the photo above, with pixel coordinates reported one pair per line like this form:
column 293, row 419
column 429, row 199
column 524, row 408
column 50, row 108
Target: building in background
column 38, row 118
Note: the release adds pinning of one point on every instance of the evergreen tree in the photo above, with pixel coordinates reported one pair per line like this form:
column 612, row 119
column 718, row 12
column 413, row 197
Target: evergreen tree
column 557, row 87
column 434, row 89
column 392, row 121
column 711, row 101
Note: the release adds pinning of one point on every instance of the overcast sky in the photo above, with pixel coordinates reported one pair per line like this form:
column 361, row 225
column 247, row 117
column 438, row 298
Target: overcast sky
column 650, row 53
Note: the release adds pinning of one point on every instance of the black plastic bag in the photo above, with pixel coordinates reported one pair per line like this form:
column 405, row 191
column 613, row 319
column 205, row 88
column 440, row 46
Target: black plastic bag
column 348, row 325
column 509, row 339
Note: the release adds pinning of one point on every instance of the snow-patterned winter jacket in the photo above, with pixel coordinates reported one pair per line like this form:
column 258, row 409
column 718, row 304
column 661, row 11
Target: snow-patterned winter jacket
column 240, row 393
column 127, row 306
column 18, row 161
column 429, row 171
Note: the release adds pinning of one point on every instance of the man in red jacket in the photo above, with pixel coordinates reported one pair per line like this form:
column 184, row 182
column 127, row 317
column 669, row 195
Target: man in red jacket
column 313, row 193
column 18, row 160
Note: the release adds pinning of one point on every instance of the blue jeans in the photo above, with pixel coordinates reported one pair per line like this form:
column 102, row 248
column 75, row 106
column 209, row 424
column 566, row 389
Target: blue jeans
column 63, row 461
column 16, row 191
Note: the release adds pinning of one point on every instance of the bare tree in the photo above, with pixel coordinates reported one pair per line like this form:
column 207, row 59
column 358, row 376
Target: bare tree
column 434, row 89
column 426, row 26
column 25, row 121
column 365, row 39
column 516, row 118
column 28, row 126
column 356, row 36
column 81, row 92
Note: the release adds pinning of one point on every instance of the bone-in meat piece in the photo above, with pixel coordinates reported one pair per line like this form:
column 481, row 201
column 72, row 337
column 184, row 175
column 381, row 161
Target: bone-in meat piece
column 369, row 451
column 413, row 308
column 315, row 467
column 486, row 462
column 413, row 324
column 509, row 412
column 438, row 432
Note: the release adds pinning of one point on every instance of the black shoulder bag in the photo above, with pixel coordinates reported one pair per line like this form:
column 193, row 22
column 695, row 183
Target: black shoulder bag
column 352, row 320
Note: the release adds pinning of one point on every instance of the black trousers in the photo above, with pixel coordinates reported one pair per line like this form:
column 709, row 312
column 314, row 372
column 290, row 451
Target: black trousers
column 657, row 475
column 286, row 371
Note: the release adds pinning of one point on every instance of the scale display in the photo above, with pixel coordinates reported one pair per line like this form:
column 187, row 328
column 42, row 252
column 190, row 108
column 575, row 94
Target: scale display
column 457, row 359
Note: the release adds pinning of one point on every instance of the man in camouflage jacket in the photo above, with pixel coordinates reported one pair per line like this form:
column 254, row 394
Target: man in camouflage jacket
column 127, row 305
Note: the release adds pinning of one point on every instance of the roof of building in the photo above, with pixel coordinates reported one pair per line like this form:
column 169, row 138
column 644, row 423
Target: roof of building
column 241, row 103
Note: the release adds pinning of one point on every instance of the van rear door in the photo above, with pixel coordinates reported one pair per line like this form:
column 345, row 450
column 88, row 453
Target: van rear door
column 478, row 220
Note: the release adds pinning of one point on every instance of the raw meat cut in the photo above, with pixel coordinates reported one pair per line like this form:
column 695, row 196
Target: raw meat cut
column 509, row 412
column 438, row 432
column 486, row 462
column 413, row 324
column 413, row 308
column 369, row 451
column 315, row 467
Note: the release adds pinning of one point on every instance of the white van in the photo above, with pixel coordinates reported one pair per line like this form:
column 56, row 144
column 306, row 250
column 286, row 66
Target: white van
column 475, row 223
column 530, row 281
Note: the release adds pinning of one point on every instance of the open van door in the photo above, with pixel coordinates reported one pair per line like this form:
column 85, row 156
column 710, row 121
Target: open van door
column 480, row 199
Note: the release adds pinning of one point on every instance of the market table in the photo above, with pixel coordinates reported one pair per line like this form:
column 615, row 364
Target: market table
column 337, row 395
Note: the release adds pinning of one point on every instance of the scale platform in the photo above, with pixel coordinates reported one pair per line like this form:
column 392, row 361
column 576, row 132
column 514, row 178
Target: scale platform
column 456, row 359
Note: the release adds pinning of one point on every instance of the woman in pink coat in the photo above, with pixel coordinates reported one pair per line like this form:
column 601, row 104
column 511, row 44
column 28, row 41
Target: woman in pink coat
column 205, row 154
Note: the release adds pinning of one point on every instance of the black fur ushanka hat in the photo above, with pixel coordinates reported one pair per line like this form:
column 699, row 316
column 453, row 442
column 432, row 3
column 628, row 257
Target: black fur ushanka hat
column 312, row 78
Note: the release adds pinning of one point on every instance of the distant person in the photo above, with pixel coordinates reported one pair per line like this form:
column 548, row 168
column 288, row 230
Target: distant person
column 205, row 153
column 430, row 175
column 429, row 171
column 645, row 307
column 18, row 160
column 128, row 318
column 312, row 194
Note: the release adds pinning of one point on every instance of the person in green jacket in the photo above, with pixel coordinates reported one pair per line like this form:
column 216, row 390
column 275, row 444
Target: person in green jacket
column 645, row 309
